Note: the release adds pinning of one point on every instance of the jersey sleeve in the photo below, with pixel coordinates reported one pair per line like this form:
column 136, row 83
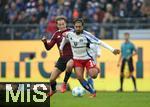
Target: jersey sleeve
column 50, row 43
column 95, row 40
column 64, row 41
column 106, row 45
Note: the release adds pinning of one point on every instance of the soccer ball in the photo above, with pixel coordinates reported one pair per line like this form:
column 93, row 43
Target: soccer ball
column 78, row 91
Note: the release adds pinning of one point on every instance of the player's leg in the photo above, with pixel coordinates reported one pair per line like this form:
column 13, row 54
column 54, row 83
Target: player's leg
column 122, row 74
column 92, row 69
column 54, row 74
column 79, row 73
column 59, row 68
column 69, row 67
column 89, row 80
column 131, row 69
column 93, row 72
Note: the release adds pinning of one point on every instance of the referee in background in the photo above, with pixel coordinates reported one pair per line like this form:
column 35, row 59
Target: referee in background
column 128, row 50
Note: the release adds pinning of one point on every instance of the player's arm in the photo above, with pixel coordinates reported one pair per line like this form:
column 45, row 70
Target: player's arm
column 114, row 51
column 48, row 43
column 95, row 40
column 134, row 51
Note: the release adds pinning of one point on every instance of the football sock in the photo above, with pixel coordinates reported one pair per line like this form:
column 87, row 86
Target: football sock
column 134, row 82
column 53, row 85
column 90, row 81
column 121, row 81
column 67, row 76
column 85, row 84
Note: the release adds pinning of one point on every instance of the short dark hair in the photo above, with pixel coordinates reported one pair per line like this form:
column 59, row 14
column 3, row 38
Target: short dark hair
column 78, row 20
column 61, row 18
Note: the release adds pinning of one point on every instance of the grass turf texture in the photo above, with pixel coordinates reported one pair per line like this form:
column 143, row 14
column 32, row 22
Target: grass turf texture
column 103, row 99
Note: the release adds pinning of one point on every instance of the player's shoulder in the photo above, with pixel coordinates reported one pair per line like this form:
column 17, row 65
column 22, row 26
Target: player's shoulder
column 131, row 43
column 87, row 33
column 122, row 44
column 56, row 32
column 70, row 33
column 70, row 29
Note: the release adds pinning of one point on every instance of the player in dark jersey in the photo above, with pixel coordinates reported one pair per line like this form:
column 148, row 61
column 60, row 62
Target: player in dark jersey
column 65, row 61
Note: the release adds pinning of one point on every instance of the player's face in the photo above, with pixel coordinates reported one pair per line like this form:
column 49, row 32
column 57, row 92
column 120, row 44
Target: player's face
column 126, row 36
column 78, row 27
column 61, row 24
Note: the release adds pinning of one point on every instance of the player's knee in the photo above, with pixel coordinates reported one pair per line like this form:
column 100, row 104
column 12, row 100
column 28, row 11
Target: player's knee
column 93, row 74
column 70, row 64
column 69, row 68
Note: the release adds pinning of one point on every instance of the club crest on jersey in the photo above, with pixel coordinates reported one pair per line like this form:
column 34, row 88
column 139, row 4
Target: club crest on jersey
column 75, row 44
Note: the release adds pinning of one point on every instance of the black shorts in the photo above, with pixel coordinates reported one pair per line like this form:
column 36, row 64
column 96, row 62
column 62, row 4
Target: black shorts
column 130, row 65
column 61, row 63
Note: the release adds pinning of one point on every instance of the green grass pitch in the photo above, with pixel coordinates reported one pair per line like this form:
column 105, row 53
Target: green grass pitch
column 103, row 99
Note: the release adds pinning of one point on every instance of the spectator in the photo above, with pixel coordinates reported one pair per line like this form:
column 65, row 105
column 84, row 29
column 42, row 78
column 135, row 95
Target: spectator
column 12, row 13
column 20, row 21
column 100, row 13
column 106, row 31
column 51, row 27
column 121, row 13
column 95, row 26
column 20, row 5
column 93, row 11
column 31, row 7
column 41, row 12
column 51, row 7
column 67, row 11
column 43, row 23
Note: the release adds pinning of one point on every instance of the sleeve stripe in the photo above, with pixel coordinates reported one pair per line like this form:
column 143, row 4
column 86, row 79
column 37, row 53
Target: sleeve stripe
column 90, row 36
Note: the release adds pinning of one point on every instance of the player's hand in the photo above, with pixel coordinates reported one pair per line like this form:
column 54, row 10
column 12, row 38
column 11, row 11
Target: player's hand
column 116, row 51
column 44, row 40
column 128, row 57
column 98, row 56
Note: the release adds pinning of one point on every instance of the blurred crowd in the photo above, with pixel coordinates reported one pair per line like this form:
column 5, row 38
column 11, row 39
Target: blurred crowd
column 43, row 12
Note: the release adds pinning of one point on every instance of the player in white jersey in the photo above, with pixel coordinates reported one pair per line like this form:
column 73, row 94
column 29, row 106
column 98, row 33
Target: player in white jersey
column 95, row 52
column 80, row 41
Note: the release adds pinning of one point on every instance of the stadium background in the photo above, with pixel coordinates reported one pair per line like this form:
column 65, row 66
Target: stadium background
column 110, row 82
column 23, row 57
